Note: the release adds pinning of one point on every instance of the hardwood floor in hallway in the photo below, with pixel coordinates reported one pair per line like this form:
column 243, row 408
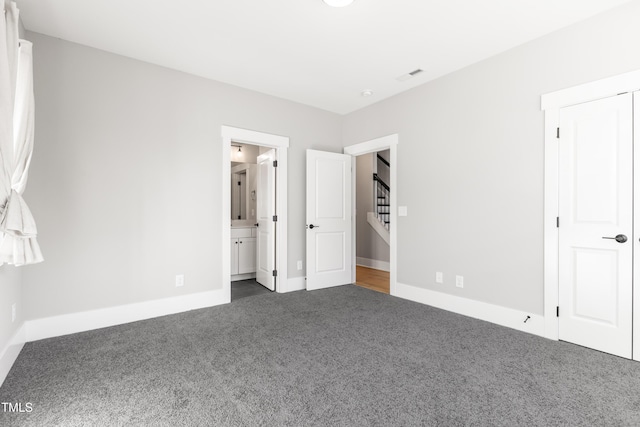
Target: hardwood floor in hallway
column 370, row 278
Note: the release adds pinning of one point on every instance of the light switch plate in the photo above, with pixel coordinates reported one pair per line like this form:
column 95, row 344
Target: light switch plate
column 402, row 211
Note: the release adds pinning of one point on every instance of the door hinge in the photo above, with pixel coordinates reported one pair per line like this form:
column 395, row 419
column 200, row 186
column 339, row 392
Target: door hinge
column 275, row 163
column 557, row 311
column 275, row 273
column 558, row 133
column 275, row 218
column 557, row 222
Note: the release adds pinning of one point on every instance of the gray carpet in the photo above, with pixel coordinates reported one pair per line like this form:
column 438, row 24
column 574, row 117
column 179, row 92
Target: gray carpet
column 342, row 357
column 247, row 288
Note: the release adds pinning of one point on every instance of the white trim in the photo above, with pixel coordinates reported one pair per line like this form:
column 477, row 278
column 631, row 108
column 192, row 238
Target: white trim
column 372, row 146
column 11, row 351
column 391, row 142
column 636, row 232
column 281, row 144
column 296, row 284
column 610, row 86
column 88, row 320
column 551, row 190
column 244, row 276
column 499, row 315
column 373, row 263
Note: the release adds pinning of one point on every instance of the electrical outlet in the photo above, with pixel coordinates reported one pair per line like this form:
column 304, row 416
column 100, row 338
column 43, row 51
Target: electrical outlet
column 300, row 265
column 13, row 312
column 179, row 280
column 439, row 277
column 460, row 281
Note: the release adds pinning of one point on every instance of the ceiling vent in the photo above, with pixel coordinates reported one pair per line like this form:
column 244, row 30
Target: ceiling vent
column 405, row 77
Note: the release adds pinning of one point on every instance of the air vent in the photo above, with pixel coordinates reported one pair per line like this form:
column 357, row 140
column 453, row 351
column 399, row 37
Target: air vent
column 407, row 76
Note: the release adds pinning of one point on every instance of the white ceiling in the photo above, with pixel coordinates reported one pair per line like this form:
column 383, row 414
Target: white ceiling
column 304, row 50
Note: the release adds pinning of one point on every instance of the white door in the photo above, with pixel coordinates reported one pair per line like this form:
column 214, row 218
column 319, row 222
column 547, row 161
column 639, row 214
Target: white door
column 265, row 213
column 595, row 224
column 328, row 219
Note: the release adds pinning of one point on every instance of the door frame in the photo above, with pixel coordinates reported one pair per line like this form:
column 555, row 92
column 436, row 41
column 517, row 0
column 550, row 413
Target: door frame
column 281, row 145
column 386, row 142
column 551, row 103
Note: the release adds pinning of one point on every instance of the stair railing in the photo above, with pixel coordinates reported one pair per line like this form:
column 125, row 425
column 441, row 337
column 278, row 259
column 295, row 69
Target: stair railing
column 382, row 193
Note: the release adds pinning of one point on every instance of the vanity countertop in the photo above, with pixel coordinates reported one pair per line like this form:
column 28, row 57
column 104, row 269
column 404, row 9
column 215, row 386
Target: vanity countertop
column 242, row 223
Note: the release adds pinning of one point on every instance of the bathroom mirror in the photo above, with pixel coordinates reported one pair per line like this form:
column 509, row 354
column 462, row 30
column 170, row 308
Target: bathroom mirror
column 243, row 191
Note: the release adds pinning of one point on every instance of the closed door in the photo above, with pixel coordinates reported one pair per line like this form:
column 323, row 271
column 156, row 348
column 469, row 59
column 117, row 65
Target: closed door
column 596, row 225
column 265, row 213
column 328, row 219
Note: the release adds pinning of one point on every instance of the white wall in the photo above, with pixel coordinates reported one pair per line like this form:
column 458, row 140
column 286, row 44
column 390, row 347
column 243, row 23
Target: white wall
column 11, row 291
column 470, row 159
column 125, row 179
column 369, row 244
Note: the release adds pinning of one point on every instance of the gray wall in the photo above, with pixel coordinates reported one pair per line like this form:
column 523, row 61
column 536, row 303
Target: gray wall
column 368, row 243
column 470, row 159
column 125, row 179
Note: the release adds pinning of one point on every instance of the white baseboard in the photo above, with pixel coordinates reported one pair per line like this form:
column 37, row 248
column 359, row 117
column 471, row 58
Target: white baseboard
column 88, row 320
column 296, row 284
column 373, row 263
column 479, row 310
column 11, row 351
column 245, row 276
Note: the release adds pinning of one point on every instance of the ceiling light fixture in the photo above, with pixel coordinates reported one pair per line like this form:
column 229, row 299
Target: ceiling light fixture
column 366, row 93
column 239, row 147
column 338, row 3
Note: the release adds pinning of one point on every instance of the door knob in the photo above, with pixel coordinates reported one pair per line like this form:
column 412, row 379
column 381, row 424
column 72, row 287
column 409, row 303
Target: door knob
column 311, row 226
column 620, row 238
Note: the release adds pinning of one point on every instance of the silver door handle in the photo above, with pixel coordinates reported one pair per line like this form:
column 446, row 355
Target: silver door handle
column 620, row 238
column 311, row 226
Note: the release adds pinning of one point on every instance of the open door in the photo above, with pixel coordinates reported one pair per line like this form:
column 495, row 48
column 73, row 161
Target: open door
column 265, row 214
column 328, row 219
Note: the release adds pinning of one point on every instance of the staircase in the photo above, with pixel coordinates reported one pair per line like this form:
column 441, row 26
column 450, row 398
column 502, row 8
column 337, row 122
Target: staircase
column 382, row 201
column 381, row 217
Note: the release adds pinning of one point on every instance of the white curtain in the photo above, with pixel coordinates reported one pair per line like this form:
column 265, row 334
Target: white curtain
column 18, row 244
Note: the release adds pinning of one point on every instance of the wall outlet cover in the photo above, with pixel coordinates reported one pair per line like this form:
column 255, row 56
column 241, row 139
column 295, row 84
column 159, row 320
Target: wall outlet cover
column 179, row 280
column 439, row 277
column 460, row 281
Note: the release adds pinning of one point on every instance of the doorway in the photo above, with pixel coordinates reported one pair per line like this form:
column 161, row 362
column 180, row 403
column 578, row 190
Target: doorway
column 592, row 196
column 331, row 214
column 373, row 220
column 278, row 145
column 366, row 269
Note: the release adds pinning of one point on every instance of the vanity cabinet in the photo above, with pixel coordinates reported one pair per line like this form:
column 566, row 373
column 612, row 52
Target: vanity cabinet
column 243, row 250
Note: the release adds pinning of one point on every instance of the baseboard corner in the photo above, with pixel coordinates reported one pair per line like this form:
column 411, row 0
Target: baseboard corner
column 11, row 352
column 516, row 319
column 296, row 284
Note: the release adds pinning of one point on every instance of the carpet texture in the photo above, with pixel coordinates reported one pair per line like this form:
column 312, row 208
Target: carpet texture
column 345, row 356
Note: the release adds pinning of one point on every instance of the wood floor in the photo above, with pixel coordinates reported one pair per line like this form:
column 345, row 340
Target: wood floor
column 376, row 280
